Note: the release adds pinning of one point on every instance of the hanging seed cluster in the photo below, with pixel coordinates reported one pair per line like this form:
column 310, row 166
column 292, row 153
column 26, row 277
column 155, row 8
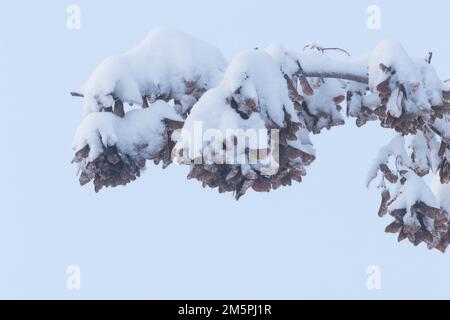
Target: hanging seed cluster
column 115, row 168
column 418, row 223
column 393, row 99
column 109, row 169
column 242, row 177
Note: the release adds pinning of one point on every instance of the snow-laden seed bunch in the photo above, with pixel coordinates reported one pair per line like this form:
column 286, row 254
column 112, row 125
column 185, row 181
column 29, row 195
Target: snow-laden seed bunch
column 112, row 150
column 260, row 141
column 246, row 124
column 165, row 75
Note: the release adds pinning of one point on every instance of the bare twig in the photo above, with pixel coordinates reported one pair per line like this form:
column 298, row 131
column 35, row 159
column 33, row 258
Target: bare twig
column 76, row 94
column 337, row 75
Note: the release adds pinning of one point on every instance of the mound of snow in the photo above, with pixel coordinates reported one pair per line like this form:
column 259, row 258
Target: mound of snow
column 162, row 64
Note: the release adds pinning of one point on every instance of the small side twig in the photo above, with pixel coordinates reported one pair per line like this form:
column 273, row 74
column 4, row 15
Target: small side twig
column 76, row 94
column 430, row 56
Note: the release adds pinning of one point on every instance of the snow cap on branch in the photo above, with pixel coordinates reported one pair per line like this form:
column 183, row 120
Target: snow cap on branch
column 167, row 64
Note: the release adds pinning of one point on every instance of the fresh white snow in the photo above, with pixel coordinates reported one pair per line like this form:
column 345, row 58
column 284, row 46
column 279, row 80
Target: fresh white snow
column 138, row 127
column 161, row 64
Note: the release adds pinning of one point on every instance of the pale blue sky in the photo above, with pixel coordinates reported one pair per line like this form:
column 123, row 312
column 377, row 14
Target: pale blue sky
column 164, row 236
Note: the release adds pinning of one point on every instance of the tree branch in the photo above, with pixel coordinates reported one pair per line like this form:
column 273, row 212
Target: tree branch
column 306, row 74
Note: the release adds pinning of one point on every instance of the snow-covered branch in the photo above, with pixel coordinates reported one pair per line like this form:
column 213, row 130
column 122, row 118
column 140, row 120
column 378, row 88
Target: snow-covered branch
column 246, row 124
column 337, row 75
